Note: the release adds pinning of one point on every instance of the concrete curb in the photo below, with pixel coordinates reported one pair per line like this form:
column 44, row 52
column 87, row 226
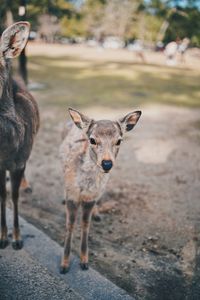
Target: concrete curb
column 89, row 284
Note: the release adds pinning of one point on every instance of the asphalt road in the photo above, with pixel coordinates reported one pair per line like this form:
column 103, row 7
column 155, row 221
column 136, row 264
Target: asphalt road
column 21, row 277
column 33, row 272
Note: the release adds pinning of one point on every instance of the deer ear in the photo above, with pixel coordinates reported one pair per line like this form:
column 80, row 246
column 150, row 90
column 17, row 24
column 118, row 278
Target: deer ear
column 14, row 39
column 130, row 120
column 80, row 120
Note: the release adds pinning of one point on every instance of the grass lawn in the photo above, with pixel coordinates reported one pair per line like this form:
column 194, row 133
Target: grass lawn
column 70, row 81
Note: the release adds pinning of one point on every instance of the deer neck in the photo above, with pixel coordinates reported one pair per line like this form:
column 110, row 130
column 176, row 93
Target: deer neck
column 6, row 96
column 10, row 129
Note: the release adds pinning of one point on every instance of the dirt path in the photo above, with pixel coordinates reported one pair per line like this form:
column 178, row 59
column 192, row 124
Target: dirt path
column 99, row 54
column 149, row 243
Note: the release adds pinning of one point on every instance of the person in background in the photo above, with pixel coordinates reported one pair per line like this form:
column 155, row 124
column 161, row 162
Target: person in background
column 170, row 53
column 182, row 47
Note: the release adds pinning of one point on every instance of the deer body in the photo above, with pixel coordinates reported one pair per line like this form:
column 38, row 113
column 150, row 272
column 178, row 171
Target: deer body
column 88, row 153
column 83, row 179
column 19, row 123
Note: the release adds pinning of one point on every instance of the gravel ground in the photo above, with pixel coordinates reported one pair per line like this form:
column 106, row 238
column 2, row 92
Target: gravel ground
column 23, row 278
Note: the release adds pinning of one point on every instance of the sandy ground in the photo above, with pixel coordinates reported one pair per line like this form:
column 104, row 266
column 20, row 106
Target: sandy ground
column 149, row 242
column 192, row 56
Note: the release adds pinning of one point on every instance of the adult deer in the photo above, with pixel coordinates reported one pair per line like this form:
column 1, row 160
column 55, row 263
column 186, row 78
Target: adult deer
column 19, row 123
column 88, row 153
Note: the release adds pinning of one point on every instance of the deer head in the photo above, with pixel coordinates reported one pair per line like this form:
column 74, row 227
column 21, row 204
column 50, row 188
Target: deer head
column 104, row 136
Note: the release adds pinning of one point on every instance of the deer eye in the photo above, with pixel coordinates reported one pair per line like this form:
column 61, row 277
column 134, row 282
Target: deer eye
column 92, row 141
column 118, row 142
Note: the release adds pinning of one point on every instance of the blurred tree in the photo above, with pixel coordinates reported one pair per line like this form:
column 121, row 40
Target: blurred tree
column 35, row 8
column 179, row 19
column 8, row 8
column 99, row 18
column 51, row 11
column 49, row 27
column 73, row 26
column 22, row 58
column 118, row 19
column 157, row 7
column 103, row 18
column 93, row 13
column 56, row 8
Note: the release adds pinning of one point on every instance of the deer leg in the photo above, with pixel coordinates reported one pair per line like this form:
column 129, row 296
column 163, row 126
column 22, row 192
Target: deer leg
column 95, row 214
column 16, row 177
column 87, row 208
column 71, row 213
column 3, row 233
column 25, row 185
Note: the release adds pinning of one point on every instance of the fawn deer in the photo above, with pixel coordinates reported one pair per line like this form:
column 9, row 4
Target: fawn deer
column 88, row 153
column 19, row 123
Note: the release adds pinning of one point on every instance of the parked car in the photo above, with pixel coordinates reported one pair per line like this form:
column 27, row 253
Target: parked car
column 33, row 35
column 92, row 43
column 113, row 42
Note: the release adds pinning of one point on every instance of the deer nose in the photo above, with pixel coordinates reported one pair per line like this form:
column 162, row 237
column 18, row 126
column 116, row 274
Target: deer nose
column 107, row 164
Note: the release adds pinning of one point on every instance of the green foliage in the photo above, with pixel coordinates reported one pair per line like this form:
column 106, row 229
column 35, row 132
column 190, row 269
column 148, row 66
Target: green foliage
column 100, row 18
column 5, row 6
column 72, row 27
column 93, row 13
column 184, row 25
column 58, row 8
column 35, row 8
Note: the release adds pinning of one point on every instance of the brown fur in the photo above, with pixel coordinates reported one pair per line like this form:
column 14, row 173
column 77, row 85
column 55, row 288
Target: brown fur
column 19, row 123
column 85, row 147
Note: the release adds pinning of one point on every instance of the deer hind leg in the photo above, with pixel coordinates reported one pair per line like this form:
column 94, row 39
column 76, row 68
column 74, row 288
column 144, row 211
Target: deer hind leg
column 3, row 232
column 87, row 208
column 16, row 177
column 71, row 214
column 25, row 185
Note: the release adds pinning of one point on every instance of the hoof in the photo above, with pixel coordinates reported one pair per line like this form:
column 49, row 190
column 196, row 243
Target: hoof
column 28, row 190
column 84, row 266
column 3, row 244
column 96, row 218
column 17, row 245
column 64, row 269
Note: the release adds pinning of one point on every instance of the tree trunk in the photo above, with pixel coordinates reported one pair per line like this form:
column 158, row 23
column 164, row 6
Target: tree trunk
column 22, row 58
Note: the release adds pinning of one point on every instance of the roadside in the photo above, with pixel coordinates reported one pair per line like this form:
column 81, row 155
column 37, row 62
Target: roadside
column 33, row 272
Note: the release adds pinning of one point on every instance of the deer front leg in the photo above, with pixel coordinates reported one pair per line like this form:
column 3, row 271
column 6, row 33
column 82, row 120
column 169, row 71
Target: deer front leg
column 16, row 177
column 25, row 185
column 87, row 208
column 3, row 233
column 71, row 213
column 95, row 214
